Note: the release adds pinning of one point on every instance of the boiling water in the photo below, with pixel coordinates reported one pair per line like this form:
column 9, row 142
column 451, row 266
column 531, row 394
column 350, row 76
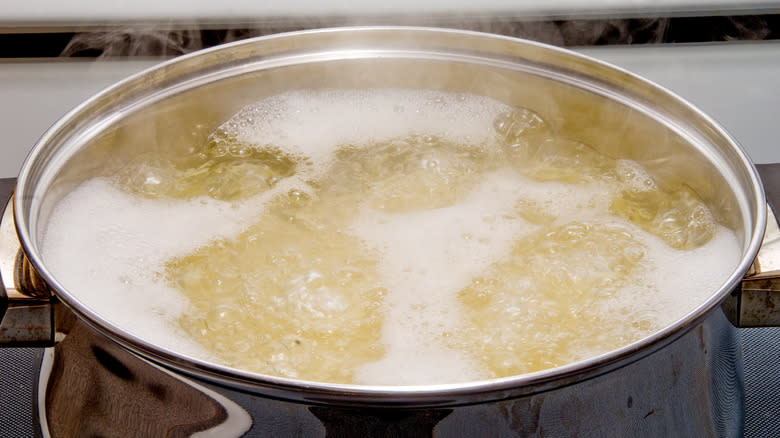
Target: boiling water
column 388, row 237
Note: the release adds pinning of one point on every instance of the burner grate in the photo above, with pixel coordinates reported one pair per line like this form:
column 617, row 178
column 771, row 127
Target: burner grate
column 761, row 350
column 17, row 382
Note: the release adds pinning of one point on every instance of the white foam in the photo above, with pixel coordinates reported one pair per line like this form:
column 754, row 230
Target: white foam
column 110, row 248
column 681, row 280
column 428, row 256
column 357, row 117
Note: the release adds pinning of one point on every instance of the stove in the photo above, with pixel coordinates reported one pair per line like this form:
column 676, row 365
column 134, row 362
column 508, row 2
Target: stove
column 735, row 82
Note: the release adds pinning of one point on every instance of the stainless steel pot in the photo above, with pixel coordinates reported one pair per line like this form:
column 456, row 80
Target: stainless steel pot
column 684, row 380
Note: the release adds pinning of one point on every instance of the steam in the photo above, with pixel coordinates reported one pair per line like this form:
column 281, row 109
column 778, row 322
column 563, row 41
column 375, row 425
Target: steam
column 127, row 42
column 167, row 40
column 170, row 40
column 753, row 28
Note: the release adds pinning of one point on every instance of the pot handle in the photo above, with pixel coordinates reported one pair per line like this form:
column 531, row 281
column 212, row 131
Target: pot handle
column 756, row 303
column 26, row 306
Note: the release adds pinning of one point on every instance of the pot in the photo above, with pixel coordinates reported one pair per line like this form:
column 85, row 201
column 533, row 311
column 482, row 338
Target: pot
column 682, row 380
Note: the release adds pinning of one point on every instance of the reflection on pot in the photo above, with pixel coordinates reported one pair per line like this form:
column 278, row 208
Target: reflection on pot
column 90, row 386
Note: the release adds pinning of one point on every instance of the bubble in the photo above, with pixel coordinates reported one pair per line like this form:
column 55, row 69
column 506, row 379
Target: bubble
column 519, row 122
column 148, row 176
column 679, row 217
column 240, row 151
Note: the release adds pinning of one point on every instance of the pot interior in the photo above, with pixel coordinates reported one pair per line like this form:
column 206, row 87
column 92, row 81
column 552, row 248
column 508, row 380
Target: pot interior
column 170, row 108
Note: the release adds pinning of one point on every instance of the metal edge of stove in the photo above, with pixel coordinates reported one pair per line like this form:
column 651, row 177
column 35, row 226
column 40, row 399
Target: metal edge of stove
column 19, row 371
column 45, row 365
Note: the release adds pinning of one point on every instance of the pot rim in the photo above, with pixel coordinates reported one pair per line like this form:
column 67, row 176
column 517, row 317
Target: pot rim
column 440, row 394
